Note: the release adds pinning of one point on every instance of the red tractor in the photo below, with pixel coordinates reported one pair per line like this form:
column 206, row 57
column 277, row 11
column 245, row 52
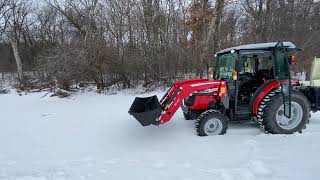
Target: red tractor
column 251, row 82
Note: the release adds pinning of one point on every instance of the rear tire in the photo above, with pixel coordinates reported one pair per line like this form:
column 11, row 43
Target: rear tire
column 211, row 122
column 271, row 116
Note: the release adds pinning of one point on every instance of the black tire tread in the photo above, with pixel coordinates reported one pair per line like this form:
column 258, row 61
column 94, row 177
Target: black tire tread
column 186, row 116
column 265, row 109
column 208, row 114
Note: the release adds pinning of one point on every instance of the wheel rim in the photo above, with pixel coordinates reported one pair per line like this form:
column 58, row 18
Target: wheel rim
column 213, row 127
column 294, row 121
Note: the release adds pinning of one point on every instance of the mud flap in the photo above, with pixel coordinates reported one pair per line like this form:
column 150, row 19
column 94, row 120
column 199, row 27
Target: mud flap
column 146, row 110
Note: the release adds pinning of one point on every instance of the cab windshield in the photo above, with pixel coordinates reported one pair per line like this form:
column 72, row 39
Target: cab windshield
column 225, row 64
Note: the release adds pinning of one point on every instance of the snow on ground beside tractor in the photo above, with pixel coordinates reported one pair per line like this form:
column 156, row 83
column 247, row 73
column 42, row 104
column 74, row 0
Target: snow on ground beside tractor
column 92, row 136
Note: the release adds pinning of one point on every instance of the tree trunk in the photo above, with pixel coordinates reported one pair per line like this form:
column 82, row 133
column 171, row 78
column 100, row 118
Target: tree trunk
column 16, row 54
column 218, row 17
column 213, row 33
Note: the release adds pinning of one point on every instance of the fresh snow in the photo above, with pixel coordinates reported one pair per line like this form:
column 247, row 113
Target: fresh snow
column 91, row 136
column 257, row 46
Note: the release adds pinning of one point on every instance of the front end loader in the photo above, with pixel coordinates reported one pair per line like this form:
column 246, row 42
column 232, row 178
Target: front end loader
column 151, row 111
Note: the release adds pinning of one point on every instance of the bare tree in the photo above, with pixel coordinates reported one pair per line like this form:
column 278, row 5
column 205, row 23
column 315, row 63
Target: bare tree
column 17, row 15
column 213, row 31
column 3, row 16
column 129, row 42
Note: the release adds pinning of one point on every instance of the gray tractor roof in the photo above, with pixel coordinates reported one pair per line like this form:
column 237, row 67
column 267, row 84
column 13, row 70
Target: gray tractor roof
column 258, row 46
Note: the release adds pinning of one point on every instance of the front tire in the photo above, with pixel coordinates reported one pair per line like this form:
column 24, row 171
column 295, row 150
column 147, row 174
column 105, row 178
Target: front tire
column 191, row 114
column 271, row 114
column 211, row 122
column 186, row 116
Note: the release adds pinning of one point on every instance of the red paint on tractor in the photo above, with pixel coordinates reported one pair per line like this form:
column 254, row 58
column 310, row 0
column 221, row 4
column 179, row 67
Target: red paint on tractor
column 266, row 90
column 175, row 87
column 202, row 102
column 263, row 93
column 172, row 101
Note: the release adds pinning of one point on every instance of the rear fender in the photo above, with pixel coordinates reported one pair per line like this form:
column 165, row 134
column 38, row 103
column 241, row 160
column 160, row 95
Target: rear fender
column 261, row 93
column 263, row 90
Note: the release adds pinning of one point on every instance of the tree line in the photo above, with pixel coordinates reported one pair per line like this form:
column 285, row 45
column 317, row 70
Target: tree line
column 130, row 42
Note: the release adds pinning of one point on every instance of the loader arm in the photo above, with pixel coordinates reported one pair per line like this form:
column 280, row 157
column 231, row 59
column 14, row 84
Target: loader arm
column 173, row 99
column 175, row 87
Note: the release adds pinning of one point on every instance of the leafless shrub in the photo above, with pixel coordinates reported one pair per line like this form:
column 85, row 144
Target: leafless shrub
column 3, row 89
column 61, row 93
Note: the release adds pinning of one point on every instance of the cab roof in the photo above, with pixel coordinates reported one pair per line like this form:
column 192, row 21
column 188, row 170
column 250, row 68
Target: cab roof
column 257, row 46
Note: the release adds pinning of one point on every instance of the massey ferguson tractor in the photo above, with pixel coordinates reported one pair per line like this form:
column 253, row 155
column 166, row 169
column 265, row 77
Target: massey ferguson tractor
column 250, row 82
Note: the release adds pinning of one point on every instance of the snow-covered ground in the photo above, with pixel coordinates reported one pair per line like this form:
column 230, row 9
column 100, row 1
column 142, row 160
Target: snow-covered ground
column 92, row 136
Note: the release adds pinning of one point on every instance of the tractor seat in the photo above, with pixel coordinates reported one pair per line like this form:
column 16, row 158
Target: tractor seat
column 262, row 72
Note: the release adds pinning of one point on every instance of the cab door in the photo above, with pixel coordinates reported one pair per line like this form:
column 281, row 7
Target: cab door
column 282, row 73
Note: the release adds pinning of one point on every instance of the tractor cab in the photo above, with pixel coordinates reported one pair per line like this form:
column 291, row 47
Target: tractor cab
column 246, row 68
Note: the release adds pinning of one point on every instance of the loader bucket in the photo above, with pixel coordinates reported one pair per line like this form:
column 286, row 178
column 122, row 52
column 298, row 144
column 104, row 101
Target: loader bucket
column 146, row 110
